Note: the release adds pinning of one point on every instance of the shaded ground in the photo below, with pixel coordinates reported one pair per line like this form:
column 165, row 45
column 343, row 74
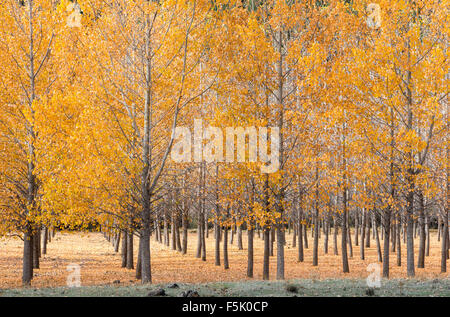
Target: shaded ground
column 100, row 265
column 301, row 288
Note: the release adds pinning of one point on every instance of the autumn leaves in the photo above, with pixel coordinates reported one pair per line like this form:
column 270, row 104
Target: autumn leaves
column 98, row 118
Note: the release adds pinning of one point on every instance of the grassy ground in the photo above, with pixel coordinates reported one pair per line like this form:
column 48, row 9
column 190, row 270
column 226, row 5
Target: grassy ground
column 334, row 288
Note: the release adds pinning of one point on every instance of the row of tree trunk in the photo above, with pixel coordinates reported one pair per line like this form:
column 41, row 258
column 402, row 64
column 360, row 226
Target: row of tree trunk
column 36, row 240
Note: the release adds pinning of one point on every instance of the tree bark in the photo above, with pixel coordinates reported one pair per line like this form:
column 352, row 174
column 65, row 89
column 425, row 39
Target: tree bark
column 27, row 268
column 45, row 241
column 250, row 235
column 266, row 255
column 226, row 264
column 124, row 248
column 300, row 256
column 130, row 260
column 422, row 241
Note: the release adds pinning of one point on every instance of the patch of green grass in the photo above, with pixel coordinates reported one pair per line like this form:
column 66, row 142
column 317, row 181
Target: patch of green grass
column 305, row 288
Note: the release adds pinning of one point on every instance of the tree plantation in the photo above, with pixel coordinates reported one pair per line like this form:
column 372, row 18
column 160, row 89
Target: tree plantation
column 223, row 140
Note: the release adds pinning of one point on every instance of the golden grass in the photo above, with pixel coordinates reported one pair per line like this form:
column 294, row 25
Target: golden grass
column 100, row 265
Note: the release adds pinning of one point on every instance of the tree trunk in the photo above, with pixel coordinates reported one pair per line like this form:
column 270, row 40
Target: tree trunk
column 316, row 238
column 36, row 244
column 421, row 255
column 349, row 237
column 345, row 267
column 117, row 243
column 300, row 255
column 266, row 255
column 199, row 236
column 166, row 229
column 272, row 240
column 377, row 239
column 305, row 235
column 45, row 241
column 217, row 244
column 250, row 251
column 239, row 238
column 356, row 227
column 146, row 272
column 399, row 240
column 410, row 227
column 367, row 237
column 124, row 248
column 185, row 224
column 335, row 234
column 280, row 252
column 363, row 234
column 226, row 264
column 174, row 231
column 386, row 242
column 130, row 261
column 27, row 268
column 139, row 261
column 427, row 230
column 444, row 242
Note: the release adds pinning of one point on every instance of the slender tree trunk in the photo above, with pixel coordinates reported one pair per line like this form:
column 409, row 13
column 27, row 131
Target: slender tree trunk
column 233, row 230
column 124, row 248
column 335, row 235
column 439, row 229
column 349, row 238
column 280, row 252
column 394, row 236
column 399, row 240
column 226, row 264
column 427, row 230
column 166, row 228
column 356, row 228
column 45, row 241
column 203, row 212
column 239, row 238
column 27, row 268
column 345, row 266
column 139, row 261
column 266, row 255
column 217, row 244
column 250, row 251
column 300, row 256
column 117, row 243
column 377, row 239
column 294, row 236
column 199, row 236
column 266, row 232
column 185, row 224
column 130, row 260
column 410, row 229
column 386, row 242
column 444, row 242
column 178, row 236
column 367, row 237
column 316, row 221
column 216, row 223
column 422, row 241
column 363, row 235
column 272, row 240
column 36, row 243
column 174, row 231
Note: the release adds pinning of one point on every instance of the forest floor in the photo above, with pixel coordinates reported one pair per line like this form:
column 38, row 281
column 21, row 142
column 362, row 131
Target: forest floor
column 293, row 288
column 100, row 265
